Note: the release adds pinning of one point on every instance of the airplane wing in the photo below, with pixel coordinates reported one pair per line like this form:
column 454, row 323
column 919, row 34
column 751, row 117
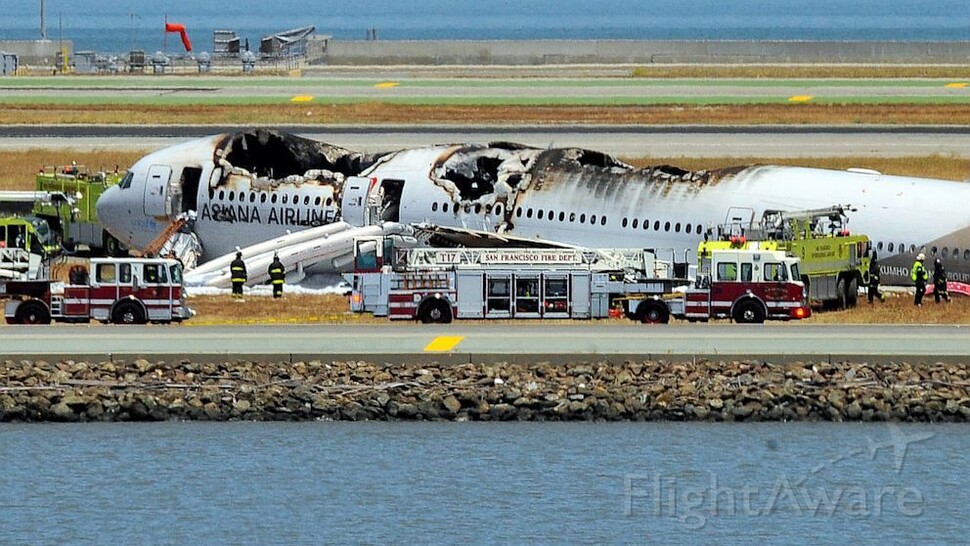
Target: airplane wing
column 332, row 245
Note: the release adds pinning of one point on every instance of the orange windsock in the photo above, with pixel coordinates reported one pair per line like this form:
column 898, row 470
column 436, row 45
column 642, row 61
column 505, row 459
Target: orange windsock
column 180, row 28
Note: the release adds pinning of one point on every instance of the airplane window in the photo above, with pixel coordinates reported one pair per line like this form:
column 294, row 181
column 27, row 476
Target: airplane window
column 498, row 209
column 966, row 255
column 306, row 199
column 592, row 219
column 582, row 218
column 901, row 248
column 528, row 213
column 699, row 228
column 252, row 197
column 687, row 228
column 434, row 207
column 222, row 195
column 316, row 202
column 656, row 225
column 933, row 250
column 478, row 208
column 572, row 216
column 330, row 202
column 677, row 227
column 666, row 226
column 562, row 216
column 879, row 245
column 286, row 198
column 602, row 220
column 635, row 223
column 518, row 212
column 468, row 208
column 232, row 196
column 444, row 207
column 262, row 198
column 623, row 223
column 912, row 248
column 488, row 209
column 212, row 194
column 552, row 215
column 945, row 251
column 126, row 182
column 539, row 214
column 274, row 198
column 956, row 253
column 890, row 247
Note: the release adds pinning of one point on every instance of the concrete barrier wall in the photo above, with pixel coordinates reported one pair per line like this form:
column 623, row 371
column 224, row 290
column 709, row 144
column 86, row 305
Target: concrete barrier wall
column 36, row 52
column 544, row 52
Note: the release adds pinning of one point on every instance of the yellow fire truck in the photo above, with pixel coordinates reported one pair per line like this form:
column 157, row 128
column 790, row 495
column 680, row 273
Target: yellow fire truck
column 833, row 263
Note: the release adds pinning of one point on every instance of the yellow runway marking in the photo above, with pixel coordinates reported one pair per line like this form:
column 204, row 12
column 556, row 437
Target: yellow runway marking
column 444, row 343
column 956, row 85
column 800, row 98
column 387, row 85
column 302, row 98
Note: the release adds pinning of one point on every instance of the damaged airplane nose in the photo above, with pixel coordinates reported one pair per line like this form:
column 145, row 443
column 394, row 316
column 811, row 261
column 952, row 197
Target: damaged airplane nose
column 110, row 210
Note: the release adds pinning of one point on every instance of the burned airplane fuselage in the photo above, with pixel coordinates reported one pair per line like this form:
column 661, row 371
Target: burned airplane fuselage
column 252, row 186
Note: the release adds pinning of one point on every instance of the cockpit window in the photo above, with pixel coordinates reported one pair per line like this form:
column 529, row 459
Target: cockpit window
column 126, row 181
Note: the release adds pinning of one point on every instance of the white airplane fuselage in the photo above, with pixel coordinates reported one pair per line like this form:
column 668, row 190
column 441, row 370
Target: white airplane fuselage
column 584, row 203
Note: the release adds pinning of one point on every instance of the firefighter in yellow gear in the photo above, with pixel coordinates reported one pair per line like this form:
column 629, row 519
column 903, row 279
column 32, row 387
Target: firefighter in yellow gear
column 237, row 270
column 918, row 275
column 277, row 275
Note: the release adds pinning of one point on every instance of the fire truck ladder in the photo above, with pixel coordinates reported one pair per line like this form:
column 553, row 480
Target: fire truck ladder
column 160, row 242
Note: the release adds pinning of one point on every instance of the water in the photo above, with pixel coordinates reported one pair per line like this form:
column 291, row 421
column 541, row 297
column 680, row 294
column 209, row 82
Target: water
column 673, row 483
column 120, row 25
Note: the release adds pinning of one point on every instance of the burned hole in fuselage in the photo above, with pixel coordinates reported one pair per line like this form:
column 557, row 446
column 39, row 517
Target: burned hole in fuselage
column 276, row 155
column 474, row 176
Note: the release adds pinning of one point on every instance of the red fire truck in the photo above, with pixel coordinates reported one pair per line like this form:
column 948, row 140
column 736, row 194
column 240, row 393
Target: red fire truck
column 749, row 286
column 117, row 290
column 438, row 285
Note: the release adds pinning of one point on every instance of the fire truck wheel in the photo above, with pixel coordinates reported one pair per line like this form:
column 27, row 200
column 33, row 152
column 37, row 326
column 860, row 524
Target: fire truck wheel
column 112, row 246
column 841, row 290
column 749, row 312
column 32, row 312
column 652, row 312
column 852, row 293
column 435, row 310
column 127, row 313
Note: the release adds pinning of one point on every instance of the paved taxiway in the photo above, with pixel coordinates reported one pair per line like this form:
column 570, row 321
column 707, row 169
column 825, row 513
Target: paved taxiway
column 624, row 141
column 457, row 343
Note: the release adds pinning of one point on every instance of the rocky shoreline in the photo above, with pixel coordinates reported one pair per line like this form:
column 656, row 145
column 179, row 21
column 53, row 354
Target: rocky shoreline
column 140, row 390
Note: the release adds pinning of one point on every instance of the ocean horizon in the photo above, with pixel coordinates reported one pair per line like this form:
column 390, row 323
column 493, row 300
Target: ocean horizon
column 117, row 26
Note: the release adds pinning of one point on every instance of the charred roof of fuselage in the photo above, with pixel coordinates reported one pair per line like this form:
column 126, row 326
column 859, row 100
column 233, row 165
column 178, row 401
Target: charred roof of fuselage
column 476, row 170
column 275, row 154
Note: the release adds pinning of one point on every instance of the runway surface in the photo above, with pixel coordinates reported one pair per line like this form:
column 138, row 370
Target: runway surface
column 503, row 342
column 624, row 141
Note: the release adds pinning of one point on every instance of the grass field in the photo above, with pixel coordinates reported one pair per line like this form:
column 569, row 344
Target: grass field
column 333, row 309
column 321, row 113
column 19, row 167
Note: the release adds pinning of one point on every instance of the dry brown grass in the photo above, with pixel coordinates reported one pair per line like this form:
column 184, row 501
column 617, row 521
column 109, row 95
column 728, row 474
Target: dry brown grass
column 332, row 309
column 19, row 166
column 365, row 113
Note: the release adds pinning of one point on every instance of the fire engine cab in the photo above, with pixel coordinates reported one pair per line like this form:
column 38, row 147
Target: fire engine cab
column 749, row 286
column 117, row 290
